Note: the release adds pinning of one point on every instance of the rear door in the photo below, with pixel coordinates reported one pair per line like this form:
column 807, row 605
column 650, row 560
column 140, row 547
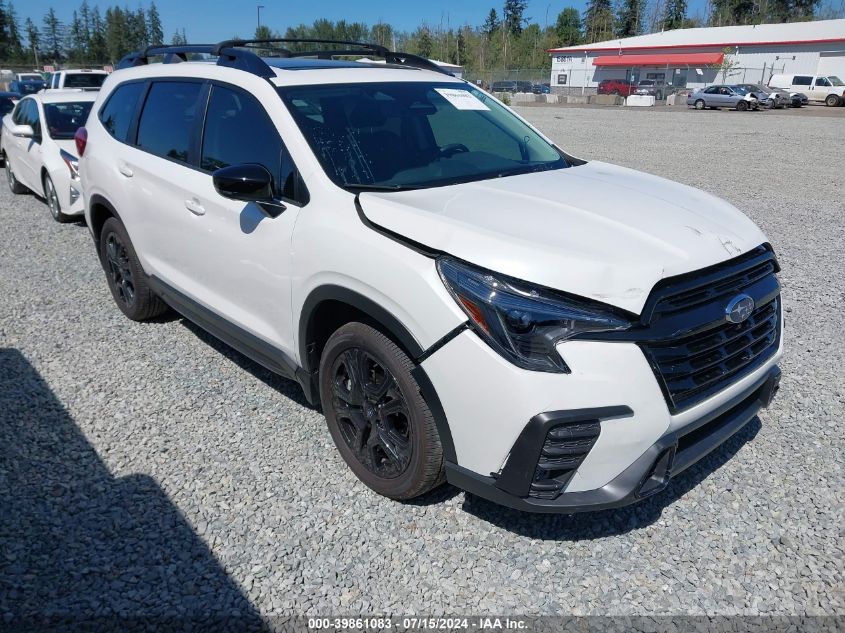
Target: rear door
column 802, row 83
column 158, row 169
column 240, row 256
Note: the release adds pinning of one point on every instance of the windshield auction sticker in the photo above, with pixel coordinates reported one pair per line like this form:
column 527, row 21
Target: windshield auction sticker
column 461, row 99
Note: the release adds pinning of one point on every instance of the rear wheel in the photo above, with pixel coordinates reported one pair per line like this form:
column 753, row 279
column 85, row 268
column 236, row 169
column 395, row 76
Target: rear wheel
column 125, row 276
column 378, row 420
column 831, row 100
column 14, row 185
column 52, row 197
column 699, row 105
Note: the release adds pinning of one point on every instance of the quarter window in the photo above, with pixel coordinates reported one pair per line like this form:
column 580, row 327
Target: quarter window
column 239, row 130
column 116, row 115
column 799, row 80
column 167, row 121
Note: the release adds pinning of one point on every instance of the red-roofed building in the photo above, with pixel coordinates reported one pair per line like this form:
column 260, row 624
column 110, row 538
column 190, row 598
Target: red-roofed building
column 689, row 58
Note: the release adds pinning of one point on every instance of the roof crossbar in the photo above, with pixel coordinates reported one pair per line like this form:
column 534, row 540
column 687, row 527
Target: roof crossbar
column 237, row 54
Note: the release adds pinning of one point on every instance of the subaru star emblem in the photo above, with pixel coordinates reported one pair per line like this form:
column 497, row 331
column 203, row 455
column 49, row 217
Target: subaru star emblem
column 739, row 308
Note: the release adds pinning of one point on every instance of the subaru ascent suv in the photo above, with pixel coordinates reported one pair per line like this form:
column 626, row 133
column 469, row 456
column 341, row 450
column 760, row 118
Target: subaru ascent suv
column 466, row 301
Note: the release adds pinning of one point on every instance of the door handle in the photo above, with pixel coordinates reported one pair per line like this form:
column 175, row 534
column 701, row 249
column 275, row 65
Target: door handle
column 194, row 207
column 126, row 171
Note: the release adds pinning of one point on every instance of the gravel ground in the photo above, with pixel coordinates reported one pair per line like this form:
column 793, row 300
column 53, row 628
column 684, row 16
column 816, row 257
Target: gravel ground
column 147, row 469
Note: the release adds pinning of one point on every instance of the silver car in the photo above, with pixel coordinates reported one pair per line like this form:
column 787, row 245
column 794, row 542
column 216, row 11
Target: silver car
column 722, row 96
column 768, row 97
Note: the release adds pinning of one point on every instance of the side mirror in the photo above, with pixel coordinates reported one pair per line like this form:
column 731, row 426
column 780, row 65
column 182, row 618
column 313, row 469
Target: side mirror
column 22, row 131
column 248, row 182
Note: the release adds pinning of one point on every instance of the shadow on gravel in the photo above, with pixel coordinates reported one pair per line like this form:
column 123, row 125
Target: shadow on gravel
column 82, row 550
column 288, row 388
column 590, row 525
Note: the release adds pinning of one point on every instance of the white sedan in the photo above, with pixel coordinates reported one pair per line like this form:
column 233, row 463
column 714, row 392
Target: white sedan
column 39, row 151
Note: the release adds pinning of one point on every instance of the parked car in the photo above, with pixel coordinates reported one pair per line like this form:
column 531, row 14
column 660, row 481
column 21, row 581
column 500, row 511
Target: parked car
column 467, row 302
column 38, row 149
column 798, row 99
column 768, row 97
column 83, row 79
column 28, row 87
column 8, row 100
column 541, row 89
column 504, row 86
column 827, row 89
column 720, row 96
column 29, row 77
column 616, row 87
column 655, row 88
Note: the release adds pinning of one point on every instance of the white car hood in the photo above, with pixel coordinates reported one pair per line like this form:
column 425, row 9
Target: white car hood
column 597, row 230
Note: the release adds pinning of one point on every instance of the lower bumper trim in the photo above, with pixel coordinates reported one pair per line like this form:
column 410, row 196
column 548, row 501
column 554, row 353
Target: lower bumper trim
column 650, row 473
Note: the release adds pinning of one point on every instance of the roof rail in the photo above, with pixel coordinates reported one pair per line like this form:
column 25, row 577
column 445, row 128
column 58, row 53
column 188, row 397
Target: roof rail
column 237, row 54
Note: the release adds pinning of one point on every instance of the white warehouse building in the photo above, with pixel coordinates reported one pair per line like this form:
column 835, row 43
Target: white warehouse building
column 688, row 58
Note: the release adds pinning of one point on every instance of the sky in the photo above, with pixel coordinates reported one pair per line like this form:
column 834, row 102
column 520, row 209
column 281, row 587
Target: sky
column 214, row 20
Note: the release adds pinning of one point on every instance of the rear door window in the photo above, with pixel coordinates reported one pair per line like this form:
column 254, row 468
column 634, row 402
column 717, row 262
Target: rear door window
column 116, row 115
column 167, row 121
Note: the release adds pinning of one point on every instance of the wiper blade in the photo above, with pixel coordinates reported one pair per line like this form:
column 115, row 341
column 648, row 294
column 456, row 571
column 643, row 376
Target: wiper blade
column 370, row 187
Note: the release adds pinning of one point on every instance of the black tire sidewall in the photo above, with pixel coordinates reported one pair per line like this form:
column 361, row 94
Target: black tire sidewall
column 414, row 480
column 58, row 216
column 140, row 308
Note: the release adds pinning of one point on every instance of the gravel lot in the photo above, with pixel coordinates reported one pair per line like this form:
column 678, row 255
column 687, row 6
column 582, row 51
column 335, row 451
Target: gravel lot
column 148, row 469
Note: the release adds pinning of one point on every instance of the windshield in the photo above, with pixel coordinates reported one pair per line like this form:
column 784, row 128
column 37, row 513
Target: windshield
column 414, row 135
column 834, row 80
column 29, row 87
column 63, row 119
column 84, row 80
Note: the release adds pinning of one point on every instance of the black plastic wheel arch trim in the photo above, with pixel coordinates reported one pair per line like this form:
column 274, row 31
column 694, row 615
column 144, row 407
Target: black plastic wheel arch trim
column 429, row 394
column 518, row 472
column 641, row 479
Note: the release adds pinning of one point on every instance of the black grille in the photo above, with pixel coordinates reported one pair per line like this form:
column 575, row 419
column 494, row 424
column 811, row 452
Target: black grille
column 710, row 353
column 685, row 292
column 565, row 448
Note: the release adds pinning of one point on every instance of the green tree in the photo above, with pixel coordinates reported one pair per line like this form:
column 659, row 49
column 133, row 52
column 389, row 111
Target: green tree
column 513, row 15
column 567, row 27
column 598, row 21
column 491, row 24
column 424, row 43
column 154, row 29
column 13, row 34
column 77, row 44
column 629, row 18
column 675, row 14
column 53, row 35
column 33, row 39
column 382, row 33
column 116, row 33
column 97, row 48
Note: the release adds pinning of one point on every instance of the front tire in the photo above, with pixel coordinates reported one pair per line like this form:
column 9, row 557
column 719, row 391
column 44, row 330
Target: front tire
column 125, row 276
column 14, row 185
column 381, row 425
column 52, row 197
column 742, row 106
column 831, row 100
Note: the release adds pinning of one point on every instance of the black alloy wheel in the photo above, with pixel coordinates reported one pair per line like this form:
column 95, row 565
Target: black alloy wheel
column 372, row 413
column 120, row 270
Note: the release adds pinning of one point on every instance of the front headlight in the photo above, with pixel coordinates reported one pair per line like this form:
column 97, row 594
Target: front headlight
column 522, row 322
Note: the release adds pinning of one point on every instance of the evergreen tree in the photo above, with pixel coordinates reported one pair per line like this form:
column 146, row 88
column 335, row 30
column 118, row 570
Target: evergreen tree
column 97, row 47
column 461, row 47
column 4, row 34
column 425, row 45
column 33, row 39
column 116, row 33
column 513, row 15
column 154, row 29
column 568, row 27
column 675, row 14
column 629, row 18
column 13, row 33
column 491, row 24
column 53, row 35
column 76, row 44
column 598, row 21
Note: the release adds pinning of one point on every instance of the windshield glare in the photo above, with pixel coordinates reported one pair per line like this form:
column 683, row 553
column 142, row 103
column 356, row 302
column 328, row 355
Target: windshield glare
column 414, row 135
column 63, row 119
column 834, row 80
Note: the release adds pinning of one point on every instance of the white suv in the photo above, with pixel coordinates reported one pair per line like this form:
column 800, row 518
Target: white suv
column 464, row 299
